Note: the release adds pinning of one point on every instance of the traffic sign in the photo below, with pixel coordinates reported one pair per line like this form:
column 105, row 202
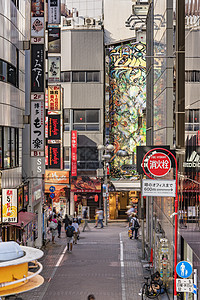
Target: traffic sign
column 158, row 188
column 184, row 269
column 52, row 189
column 159, row 164
column 184, row 285
column 52, row 195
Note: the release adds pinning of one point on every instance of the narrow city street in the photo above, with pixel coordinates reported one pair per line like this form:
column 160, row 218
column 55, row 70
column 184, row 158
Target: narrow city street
column 105, row 262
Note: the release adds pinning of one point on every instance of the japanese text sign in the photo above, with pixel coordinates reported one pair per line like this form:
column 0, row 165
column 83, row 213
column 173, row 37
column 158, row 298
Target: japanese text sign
column 54, row 127
column 159, row 164
column 37, row 8
column 54, row 42
column 20, row 197
column 9, row 205
column 158, row 188
column 37, row 26
column 54, row 68
column 37, row 68
column 54, row 12
column 54, row 102
column 56, row 176
column 37, row 125
column 73, row 153
column 54, row 157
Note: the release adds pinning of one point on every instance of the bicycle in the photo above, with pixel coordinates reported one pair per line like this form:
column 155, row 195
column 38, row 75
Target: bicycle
column 150, row 290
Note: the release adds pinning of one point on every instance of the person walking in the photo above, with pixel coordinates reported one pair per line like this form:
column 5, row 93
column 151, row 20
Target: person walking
column 91, row 297
column 76, row 232
column 69, row 233
column 100, row 218
column 135, row 226
column 66, row 221
column 53, row 227
column 85, row 217
column 59, row 224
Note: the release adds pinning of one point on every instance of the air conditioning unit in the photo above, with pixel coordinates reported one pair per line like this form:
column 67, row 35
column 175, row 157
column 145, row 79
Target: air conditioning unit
column 140, row 9
column 89, row 21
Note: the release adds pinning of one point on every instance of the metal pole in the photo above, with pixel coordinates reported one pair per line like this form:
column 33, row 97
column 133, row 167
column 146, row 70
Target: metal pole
column 195, row 284
column 142, row 217
column 106, row 199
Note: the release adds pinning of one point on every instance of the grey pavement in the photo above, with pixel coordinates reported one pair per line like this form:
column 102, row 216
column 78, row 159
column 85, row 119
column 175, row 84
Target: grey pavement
column 105, row 262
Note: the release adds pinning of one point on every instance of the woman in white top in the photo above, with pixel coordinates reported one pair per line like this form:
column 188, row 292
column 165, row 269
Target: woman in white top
column 77, row 231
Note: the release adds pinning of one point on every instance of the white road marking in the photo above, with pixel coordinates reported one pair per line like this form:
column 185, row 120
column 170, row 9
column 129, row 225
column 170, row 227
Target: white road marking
column 122, row 268
column 61, row 257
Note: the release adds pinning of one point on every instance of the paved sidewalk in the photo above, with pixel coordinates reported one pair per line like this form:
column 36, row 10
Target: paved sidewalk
column 104, row 262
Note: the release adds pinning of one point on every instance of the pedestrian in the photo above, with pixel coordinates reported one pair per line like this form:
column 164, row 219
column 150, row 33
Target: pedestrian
column 53, row 227
column 66, row 221
column 61, row 212
column 77, row 231
column 135, row 225
column 96, row 217
column 91, row 297
column 100, row 218
column 85, row 217
column 129, row 212
column 59, row 224
column 69, row 233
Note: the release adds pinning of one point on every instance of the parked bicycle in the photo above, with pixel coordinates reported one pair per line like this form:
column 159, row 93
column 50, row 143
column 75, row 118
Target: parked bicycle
column 152, row 287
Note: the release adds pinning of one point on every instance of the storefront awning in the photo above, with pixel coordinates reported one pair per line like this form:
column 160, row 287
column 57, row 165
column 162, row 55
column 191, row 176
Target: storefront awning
column 127, row 185
column 25, row 217
column 58, row 187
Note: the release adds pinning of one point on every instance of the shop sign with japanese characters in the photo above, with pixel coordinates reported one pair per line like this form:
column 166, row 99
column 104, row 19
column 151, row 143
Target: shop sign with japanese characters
column 9, row 205
column 54, row 157
column 73, row 153
column 37, row 8
column 20, row 197
column 159, row 164
column 37, row 68
column 184, row 285
column 26, row 194
column 158, row 188
column 54, row 127
column 37, row 27
column 54, row 12
column 37, row 125
column 54, row 42
column 54, row 97
column 54, row 68
column 56, row 176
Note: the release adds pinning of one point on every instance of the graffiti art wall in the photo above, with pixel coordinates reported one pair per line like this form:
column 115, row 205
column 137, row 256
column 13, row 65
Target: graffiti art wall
column 127, row 102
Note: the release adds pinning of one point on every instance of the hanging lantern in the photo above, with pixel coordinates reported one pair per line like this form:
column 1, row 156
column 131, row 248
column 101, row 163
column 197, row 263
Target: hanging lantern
column 75, row 198
column 96, row 198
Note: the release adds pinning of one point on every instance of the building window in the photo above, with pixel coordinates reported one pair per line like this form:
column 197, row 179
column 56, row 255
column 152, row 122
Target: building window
column 66, row 158
column 86, row 120
column 8, row 73
column 1, row 148
column 192, row 120
column 87, row 158
column 6, row 150
column 66, row 119
column 192, row 76
column 80, row 76
column 9, row 147
column 16, row 2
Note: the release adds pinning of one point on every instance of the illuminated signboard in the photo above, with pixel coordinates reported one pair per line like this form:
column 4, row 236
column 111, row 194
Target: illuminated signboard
column 54, row 127
column 54, row 157
column 37, row 68
column 9, row 205
column 54, row 98
column 56, row 176
column 73, row 153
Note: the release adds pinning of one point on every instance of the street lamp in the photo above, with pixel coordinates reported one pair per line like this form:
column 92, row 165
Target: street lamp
column 106, row 158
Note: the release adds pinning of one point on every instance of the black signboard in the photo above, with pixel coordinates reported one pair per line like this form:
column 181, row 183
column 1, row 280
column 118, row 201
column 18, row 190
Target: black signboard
column 26, row 195
column 37, row 8
column 142, row 150
column 54, row 156
column 54, row 127
column 37, row 68
column 54, row 44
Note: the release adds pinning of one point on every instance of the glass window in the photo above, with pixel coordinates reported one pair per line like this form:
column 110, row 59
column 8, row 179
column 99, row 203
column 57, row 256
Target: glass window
column 66, row 115
column 89, row 77
column 65, row 76
column 66, row 153
column 92, row 76
column 17, row 146
column 92, row 127
column 79, row 116
column 196, row 115
column 92, row 116
column 6, row 147
column 75, row 76
column 1, row 152
column 96, row 76
column 81, row 76
column 13, row 147
column 11, row 74
column 3, row 71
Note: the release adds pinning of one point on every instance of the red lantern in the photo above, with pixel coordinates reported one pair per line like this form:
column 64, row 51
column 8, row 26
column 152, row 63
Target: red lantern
column 96, row 198
column 75, row 198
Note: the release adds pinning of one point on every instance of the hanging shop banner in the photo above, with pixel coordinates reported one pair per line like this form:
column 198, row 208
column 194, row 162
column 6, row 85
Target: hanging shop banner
column 54, row 102
column 54, row 12
column 37, row 68
column 53, row 68
column 54, row 41
column 26, row 194
column 56, row 176
column 85, row 184
column 37, row 27
column 37, row 8
column 54, row 127
column 9, row 205
column 20, row 198
column 192, row 158
column 73, row 153
column 37, row 125
column 54, row 157
column 0, row 209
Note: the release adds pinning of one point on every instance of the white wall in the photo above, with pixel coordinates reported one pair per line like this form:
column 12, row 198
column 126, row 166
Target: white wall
column 116, row 12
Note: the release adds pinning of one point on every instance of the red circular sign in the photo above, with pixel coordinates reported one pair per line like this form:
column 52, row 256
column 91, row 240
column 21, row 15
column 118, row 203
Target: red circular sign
column 159, row 164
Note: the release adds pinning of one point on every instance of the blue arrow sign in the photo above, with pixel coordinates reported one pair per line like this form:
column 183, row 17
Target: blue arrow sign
column 184, row 269
column 52, row 189
column 52, row 195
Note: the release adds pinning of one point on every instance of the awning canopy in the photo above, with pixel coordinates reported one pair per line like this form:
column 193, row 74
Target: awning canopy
column 127, row 185
column 25, row 217
column 58, row 187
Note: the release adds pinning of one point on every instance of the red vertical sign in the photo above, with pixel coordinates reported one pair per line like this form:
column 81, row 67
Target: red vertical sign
column 73, row 153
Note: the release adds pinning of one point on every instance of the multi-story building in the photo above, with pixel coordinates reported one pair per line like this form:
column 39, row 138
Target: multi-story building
column 12, row 106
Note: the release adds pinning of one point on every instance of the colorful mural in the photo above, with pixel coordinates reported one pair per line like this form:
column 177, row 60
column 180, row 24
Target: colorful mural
column 127, row 102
